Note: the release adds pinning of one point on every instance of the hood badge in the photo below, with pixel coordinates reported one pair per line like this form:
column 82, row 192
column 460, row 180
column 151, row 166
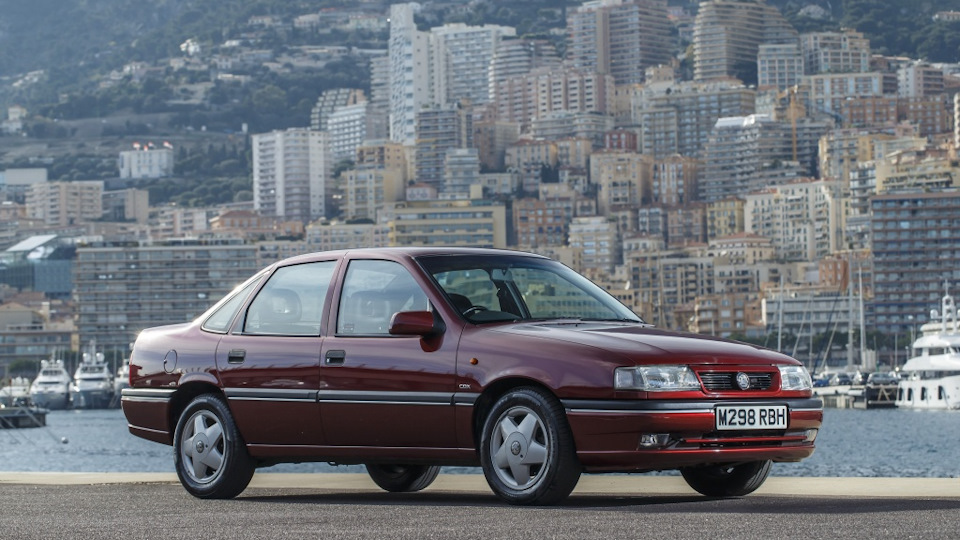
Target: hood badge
column 743, row 381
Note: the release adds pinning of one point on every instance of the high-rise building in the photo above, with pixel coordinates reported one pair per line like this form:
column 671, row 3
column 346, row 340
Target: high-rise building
column 512, row 59
column 779, row 65
column 846, row 51
column 745, row 153
column 544, row 91
column 915, row 243
column 620, row 38
column 411, row 77
column 727, row 35
column 292, row 173
column 350, row 126
column 462, row 55
column 438, row 130
column 678, row 119
column 331, row 100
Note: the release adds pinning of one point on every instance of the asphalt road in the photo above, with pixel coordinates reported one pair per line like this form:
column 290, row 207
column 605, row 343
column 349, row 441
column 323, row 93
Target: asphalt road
column 149, row 508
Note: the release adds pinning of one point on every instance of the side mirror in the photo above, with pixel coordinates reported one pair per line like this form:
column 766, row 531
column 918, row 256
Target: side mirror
column 415, row 323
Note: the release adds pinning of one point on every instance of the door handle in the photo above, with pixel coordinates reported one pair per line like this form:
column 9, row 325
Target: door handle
column 236, row 356
column 335, row 358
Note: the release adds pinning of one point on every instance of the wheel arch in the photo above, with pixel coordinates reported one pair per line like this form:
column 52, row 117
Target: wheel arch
column 495, row 391
column 185, row 394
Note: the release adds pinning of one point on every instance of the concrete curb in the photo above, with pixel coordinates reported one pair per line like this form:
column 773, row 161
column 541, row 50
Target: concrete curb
column 901, row 488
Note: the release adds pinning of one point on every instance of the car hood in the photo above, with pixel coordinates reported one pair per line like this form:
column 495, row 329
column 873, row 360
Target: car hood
column 645, row 344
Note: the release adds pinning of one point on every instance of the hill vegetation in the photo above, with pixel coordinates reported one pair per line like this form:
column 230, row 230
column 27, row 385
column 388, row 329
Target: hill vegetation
column 57, row 55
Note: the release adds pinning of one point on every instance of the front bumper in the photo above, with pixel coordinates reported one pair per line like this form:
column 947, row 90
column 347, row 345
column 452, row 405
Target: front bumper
column 607, row 434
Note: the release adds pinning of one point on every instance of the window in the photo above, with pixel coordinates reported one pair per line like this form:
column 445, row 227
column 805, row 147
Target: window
column 291, row 303
column 372, row 292
column 219, row 321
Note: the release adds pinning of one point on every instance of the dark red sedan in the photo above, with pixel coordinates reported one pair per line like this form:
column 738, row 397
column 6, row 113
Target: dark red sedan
column 408, row 359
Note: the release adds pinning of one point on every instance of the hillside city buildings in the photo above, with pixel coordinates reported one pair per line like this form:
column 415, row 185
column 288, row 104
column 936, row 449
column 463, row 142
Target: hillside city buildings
column 770, row 185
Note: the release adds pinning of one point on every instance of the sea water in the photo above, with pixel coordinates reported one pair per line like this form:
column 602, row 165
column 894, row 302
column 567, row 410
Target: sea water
column 852, row 442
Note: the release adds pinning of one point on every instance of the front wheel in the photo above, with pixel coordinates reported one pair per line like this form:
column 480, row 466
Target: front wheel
column 402, row 478
column 727, row 480
column 527, row 450
column 210, row 456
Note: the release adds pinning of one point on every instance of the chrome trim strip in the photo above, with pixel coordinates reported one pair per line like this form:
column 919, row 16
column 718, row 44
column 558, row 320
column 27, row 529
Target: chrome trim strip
column 627, row 411
column 147, row 394
column 660, row 406
column 385, row 398
column 279, row 394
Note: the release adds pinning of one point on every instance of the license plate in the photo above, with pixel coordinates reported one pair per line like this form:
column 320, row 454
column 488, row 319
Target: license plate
column 734, row 417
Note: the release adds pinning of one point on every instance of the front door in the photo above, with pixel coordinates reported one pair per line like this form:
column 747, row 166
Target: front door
column 379, row 389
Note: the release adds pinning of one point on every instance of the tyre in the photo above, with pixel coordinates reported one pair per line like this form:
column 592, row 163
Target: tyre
column 527, row 450
column 402, row 478
column 210, row 456
column 727, row 480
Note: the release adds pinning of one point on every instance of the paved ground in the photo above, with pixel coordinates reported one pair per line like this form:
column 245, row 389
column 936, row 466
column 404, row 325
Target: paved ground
column 123, row 506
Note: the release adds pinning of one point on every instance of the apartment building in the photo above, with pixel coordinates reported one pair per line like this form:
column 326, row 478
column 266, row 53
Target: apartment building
column 803, row 219
column 461, row 223
column 292, row 173
column 619, row 37
column 727, row 35
column 146, row 162
column 124, row 287
column 65, row 203
column 916, row 242
column 678, row 118
column 846, row 51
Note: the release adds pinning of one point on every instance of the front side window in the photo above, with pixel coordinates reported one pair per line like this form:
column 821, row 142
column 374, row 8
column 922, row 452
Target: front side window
column 372, row 292
column 291, row 303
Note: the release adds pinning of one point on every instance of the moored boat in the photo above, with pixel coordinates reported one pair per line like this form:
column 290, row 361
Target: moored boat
column 92, row 384
column 15, row 392
column 930, row 379
column 51, row 388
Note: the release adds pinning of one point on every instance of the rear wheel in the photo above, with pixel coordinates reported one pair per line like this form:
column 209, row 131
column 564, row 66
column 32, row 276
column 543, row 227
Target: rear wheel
column 727, row 480
column 402, row 478
column 527, row 449
column 210, row 456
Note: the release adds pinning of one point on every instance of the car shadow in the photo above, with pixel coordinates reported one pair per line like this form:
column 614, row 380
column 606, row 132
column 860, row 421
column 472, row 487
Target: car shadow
column 756, row 504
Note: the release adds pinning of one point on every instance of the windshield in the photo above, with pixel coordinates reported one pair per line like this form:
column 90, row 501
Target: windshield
column 488, row 288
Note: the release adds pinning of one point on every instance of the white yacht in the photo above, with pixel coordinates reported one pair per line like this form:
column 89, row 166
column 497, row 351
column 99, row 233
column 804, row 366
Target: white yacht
column 121, row 381
column 92, row 383
column 51, row 388
column 931, row 377
column 15, row 392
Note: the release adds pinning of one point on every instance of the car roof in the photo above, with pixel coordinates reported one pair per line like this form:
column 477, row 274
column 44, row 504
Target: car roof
column 403, row 252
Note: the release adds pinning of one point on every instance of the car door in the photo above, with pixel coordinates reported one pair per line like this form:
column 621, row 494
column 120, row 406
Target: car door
column 379, row 389
column 269, row 365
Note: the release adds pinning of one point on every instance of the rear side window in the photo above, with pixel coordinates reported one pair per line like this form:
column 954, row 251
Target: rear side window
column 291, row 303
column 219, row 320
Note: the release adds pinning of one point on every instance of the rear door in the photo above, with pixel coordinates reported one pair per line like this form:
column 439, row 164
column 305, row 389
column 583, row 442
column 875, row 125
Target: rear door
column 269, row 365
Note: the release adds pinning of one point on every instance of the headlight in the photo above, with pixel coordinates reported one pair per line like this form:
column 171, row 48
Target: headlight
column 655, row 378
column 795, row 378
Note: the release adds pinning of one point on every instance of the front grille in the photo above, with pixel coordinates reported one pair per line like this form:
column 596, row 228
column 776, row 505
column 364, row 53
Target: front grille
column 721, row 381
